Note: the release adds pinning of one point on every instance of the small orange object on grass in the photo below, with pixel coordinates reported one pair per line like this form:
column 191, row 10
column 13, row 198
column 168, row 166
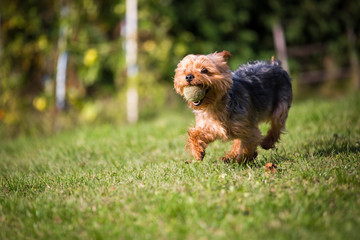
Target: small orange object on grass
column 270, row 168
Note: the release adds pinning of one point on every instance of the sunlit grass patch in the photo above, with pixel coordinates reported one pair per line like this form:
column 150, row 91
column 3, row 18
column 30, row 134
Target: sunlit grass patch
column 131, row 182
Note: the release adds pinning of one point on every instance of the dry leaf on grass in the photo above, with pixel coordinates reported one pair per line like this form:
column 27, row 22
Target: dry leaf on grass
column 270, row 168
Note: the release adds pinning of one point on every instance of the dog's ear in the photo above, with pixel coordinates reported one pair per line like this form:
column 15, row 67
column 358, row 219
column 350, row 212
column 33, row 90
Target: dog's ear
column 225, row 55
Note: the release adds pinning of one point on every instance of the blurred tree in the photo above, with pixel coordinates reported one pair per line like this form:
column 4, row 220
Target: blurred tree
column 315, row 31
column 28, row 31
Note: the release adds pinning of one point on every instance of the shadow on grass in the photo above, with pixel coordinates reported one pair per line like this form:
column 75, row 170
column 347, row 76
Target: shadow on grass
column 319, row 147
column 274, row 157
column 333, row 146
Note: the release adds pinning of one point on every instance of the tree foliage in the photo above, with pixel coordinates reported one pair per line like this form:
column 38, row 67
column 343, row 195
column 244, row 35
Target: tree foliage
column 31, row 33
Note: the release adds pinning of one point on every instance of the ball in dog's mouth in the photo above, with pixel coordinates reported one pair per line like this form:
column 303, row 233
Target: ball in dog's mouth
column 194, row 94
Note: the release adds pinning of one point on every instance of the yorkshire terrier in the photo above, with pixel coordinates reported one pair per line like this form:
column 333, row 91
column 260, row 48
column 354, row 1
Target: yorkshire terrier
column 234, row 103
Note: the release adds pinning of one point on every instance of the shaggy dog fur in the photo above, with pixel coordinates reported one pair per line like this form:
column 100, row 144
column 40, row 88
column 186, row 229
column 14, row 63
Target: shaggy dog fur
column 235, row 103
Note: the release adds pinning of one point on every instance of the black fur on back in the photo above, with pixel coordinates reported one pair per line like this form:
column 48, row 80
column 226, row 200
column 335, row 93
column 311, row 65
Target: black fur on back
column 260, row 85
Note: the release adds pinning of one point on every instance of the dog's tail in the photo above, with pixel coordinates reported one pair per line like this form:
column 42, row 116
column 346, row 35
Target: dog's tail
column 275, row 62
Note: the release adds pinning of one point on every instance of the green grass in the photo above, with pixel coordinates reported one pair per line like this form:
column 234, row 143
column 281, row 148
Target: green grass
column 130, row 182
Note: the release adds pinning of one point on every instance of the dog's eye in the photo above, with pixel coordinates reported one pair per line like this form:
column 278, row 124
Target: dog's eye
column 204, row 70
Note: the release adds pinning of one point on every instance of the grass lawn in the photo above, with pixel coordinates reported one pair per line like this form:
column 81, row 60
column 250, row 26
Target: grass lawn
column 130, row 182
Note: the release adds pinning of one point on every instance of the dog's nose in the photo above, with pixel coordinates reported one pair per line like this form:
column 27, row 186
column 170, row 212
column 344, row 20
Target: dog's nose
column 189, row 78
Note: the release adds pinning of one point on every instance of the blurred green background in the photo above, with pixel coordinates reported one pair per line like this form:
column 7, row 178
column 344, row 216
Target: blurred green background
column 322, row 40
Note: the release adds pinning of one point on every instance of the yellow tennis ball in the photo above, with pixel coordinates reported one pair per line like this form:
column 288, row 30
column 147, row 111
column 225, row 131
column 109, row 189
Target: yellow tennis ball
column 194, row 93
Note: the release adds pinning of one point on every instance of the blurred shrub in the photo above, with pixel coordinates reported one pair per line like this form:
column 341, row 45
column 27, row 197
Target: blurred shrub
column 34, row 32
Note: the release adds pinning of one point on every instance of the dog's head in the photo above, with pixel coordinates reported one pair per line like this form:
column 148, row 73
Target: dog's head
column 210, row 72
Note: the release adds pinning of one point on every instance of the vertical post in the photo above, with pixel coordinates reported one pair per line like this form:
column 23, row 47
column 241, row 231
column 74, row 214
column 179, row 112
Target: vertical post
column 354, row 60
column 131, row 61
column 280, row 45
column 62, row 61
column 61, row 80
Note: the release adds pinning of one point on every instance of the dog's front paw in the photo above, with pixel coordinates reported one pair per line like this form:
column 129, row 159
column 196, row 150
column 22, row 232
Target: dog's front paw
column 199, row 155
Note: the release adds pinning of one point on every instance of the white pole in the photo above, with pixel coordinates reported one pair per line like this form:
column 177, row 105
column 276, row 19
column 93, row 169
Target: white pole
column 61, row 80
column 131, row 59
column 62, row 62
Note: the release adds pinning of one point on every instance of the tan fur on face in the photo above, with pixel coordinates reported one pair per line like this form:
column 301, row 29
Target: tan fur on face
column 218, row 79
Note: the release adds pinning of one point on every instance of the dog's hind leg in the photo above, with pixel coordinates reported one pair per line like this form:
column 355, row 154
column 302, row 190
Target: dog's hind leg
column 278, row 120
column 249, row 142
